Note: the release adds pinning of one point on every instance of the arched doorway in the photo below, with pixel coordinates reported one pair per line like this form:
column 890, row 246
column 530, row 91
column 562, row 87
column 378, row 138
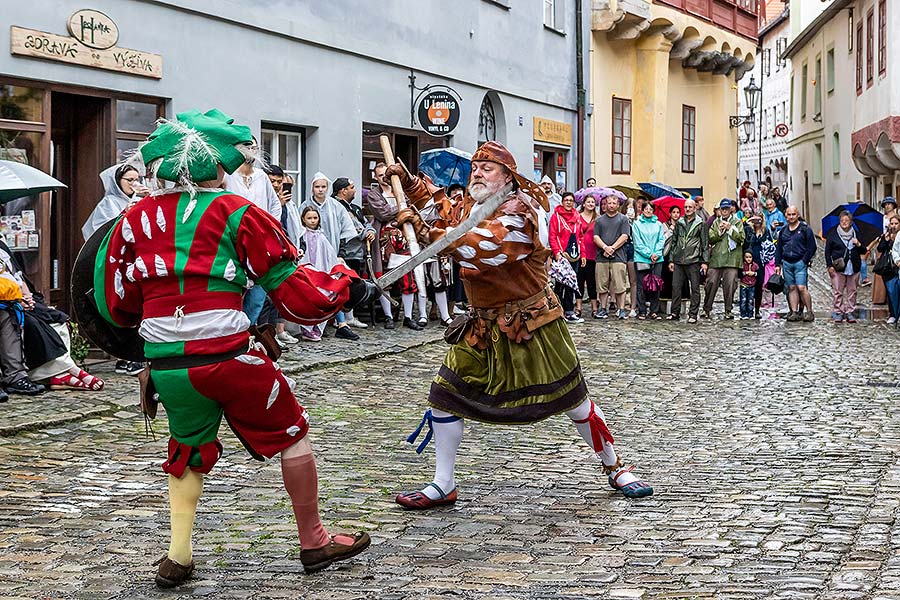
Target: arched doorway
column 491, row 121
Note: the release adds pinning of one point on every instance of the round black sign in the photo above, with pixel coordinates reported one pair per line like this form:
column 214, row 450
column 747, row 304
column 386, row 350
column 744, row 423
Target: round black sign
column 438, row 112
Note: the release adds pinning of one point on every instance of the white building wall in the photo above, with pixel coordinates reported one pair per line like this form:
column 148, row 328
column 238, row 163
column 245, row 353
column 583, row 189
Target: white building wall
column 775, row 81
column 839, row 177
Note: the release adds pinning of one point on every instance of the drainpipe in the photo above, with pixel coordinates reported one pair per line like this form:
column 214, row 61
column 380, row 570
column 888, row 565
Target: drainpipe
column 579, row 90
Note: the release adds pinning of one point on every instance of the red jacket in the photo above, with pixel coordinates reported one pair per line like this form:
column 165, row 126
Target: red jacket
column 563, row 223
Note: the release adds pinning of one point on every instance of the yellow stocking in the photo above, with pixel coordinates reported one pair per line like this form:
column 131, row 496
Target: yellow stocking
column 184, row 494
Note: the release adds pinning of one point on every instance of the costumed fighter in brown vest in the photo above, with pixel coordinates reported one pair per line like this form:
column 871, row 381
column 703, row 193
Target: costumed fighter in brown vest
column 513, row 360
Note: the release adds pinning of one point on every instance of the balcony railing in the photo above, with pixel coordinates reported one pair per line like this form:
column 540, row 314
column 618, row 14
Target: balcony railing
column 739, row 16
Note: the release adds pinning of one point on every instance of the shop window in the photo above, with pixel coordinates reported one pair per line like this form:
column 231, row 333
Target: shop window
column 621, row 136
column 134, row 122
column 21, row 146
column 135, row 116
column 285, row 148
column 21, row 103
column 688, row 138
column 882, row 37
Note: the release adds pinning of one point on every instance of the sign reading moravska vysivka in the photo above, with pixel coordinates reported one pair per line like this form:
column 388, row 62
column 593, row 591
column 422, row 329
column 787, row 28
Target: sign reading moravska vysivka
column 438, row 112
column 91, row 43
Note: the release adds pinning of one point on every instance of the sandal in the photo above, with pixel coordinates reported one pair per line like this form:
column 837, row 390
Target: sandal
column 635, row 489
column 63, row 382
column 419, row 501
column 92, row 381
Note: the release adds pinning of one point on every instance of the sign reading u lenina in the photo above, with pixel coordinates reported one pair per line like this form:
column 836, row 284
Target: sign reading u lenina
column 91, row 43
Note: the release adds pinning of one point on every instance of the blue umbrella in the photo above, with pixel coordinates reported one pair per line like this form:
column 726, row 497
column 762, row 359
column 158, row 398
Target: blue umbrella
column 659, row 190
column 446, row 166
column 867, row 221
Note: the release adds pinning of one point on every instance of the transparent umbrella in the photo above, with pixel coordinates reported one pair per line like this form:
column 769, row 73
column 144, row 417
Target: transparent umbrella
column 18, row 180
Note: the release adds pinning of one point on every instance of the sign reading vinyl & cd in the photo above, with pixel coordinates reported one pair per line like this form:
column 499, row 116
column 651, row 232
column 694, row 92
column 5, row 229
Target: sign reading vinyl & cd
column 438, row 112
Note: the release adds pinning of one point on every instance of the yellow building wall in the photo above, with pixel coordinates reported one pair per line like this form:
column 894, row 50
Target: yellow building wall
column 641, row 70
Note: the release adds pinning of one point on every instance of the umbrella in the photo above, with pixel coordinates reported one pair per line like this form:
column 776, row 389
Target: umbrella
column 630, row 192
column 658, row 190
column 446, row 166
column 18, row 180
column 867, row 221
column 662, row 206
column 599, row 193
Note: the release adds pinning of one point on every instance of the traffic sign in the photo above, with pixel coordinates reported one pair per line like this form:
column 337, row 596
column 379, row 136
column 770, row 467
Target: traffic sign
column 781, row 130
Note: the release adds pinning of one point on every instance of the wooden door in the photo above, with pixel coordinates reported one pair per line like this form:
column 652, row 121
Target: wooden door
column 82, row 140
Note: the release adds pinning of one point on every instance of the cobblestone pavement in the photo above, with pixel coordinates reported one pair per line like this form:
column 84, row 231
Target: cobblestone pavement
column 777, row 475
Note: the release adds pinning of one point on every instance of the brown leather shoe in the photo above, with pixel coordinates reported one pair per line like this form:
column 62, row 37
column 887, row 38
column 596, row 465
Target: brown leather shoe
column 318, row 559
column 171, row 574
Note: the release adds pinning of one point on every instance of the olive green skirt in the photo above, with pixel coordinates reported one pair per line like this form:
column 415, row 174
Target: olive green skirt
column 509, row 382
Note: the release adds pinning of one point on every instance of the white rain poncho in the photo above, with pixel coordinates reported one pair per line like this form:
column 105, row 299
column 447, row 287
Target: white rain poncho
column 334, row 220
column 110, row 206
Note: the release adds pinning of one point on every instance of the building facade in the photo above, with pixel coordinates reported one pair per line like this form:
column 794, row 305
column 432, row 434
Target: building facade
column 763, row 156
column 875, row 141
column 842, row 146
column 81, row 84
column 663, row 85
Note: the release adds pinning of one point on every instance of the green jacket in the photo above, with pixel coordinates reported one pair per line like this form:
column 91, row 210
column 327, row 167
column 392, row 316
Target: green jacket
column 721, row 255
column 690, row 242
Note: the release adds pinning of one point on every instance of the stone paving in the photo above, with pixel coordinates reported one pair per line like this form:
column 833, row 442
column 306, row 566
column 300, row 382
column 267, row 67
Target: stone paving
column 774, row 449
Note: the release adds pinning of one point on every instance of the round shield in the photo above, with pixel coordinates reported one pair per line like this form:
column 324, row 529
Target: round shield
column 124, row 343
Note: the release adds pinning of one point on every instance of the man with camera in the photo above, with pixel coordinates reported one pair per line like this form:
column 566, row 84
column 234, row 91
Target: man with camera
column 726, row 236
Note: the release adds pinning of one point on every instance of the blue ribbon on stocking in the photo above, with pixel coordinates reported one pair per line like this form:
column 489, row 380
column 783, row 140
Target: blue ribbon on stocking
column 428, row 419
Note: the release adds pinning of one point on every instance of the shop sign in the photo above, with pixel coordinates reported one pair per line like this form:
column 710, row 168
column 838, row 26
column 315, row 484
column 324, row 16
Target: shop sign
column 554, row 132
column 91, row 43
column 438, row 112
column 94, row 29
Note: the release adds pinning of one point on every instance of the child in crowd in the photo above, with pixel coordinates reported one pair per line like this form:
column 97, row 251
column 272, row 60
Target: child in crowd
column 318, row 252
column 749, row 272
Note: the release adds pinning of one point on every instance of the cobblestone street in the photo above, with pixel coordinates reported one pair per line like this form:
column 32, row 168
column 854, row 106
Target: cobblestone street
column 786, row 490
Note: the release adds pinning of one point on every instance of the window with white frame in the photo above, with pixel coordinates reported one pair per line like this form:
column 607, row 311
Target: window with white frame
column 554, row 14
column 550, row 13
column 284, row 148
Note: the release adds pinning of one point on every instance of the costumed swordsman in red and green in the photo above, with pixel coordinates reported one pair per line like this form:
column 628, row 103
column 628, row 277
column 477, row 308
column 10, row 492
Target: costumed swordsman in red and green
column 514, row 361
column 175, row 266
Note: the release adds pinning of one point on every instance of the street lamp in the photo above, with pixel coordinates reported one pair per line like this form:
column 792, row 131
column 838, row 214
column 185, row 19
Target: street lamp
column 751, row 94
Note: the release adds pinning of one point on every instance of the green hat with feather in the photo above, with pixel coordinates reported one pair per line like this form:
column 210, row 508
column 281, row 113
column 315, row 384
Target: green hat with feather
column 189, row 149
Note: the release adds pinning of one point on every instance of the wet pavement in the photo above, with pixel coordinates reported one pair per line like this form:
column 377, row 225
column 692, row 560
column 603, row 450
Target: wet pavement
column 774, row 449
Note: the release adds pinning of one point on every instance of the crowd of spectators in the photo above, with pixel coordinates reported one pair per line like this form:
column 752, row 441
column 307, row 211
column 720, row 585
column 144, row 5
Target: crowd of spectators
column 625, row 260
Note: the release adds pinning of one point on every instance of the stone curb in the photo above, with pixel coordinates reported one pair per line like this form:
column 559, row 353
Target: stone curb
column 106, row 407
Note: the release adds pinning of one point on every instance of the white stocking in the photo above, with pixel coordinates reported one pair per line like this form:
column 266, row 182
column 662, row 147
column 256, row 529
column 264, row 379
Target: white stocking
column 407, row 305
column 386, row 307
column 440, row 298
column 608, row 453
column 423, row 306
column 447, row 437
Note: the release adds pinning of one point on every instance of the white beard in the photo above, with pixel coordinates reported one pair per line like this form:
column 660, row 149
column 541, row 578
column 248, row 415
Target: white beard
column 480, row 193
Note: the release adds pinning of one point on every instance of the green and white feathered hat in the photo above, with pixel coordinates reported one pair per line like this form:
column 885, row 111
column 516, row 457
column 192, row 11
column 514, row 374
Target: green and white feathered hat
column 189, row 149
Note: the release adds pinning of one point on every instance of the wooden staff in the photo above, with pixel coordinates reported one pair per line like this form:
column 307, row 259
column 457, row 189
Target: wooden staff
column 408, row 231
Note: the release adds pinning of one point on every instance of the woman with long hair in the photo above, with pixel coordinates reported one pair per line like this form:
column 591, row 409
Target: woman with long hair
column 587, row 276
